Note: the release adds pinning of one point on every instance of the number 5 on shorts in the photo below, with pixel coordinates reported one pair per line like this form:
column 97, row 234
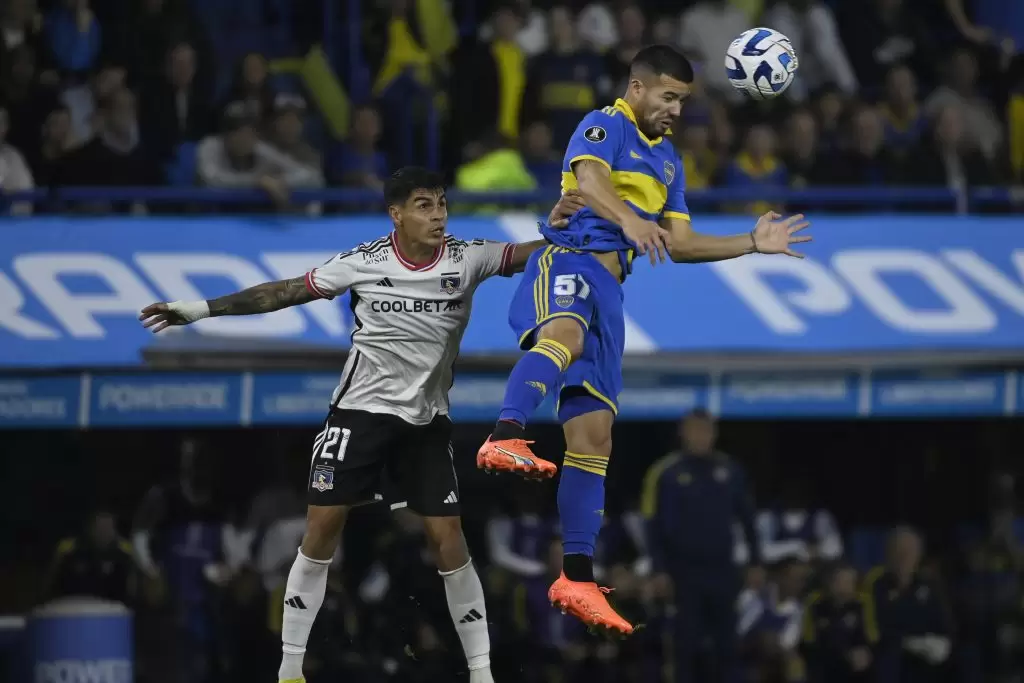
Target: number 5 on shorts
column 571, row 285
column 332, row 443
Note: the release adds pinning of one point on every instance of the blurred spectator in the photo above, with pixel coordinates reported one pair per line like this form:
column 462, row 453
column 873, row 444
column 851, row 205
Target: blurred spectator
column 175, row 110
column 26, row 100
column 543, row 161
column 115, row 156
column 812, row 29
column 179, row 539
column 286, row 132
column 497, row 70
column 904, row 120
column 632, row 28
column 802, row 158
column 499, row 167
column 563, row 83
column 97, row 564
column 237, row 158
column 401, row 45
column 946, row 159
column 665, row 30
column 878, row 34
column 866, row 161
column 15, row 175
column 757, row 165
column 982, row 128
column 794, row 530
column 532, row 37
column 700, row 161
column 707, row 29
column 837, row 643
column 518, row 544
column 149, row 31
column 828, row 109
column 358, row 162
column 20, row 24
column 562, row 648
column 993, row 21
column 913, row 626
column 690, row 500
column 48, row 159
column 73, row 36
column 596, row 26
column 85, row 101
column 769, row 623
column 252, row 89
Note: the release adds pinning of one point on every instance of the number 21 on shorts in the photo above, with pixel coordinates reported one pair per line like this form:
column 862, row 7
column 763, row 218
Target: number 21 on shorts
column 331, row 443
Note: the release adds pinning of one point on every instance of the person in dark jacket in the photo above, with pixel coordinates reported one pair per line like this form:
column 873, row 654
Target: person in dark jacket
column 837, row 643
column 97, row 564
column 692, row 499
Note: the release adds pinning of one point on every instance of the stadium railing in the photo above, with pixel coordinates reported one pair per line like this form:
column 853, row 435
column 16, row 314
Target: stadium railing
column 873, row 198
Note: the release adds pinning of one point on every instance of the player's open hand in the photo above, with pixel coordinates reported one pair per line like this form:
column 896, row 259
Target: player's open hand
column 569, row 203
column 775, row 235
column 649, row 238
column 163, row 315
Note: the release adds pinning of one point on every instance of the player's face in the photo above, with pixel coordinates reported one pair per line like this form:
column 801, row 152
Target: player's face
column 423, row 217
column 662, row 99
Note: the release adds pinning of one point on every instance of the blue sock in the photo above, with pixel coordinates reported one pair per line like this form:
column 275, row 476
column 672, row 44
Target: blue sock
column 536, row 373
column 581, row 508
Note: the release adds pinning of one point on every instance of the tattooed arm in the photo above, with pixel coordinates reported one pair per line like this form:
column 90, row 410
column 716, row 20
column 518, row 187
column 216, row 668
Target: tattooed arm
column 264, row 298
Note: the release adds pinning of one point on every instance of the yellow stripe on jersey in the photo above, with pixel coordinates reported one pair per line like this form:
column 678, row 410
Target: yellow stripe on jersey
column 643, row 191
column 676, row 214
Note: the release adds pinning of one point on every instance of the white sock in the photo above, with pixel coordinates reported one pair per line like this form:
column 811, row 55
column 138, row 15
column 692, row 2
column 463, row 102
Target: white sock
column 466, row 605
column 303, row 596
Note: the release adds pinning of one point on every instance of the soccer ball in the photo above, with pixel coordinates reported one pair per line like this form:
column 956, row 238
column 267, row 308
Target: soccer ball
column 761, row 63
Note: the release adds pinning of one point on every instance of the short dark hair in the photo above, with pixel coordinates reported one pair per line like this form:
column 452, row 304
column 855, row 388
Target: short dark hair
column 662, row 60
column 406, row 180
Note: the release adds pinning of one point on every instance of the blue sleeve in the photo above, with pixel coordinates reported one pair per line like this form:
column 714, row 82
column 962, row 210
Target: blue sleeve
column 675, row 204
column 597, row 138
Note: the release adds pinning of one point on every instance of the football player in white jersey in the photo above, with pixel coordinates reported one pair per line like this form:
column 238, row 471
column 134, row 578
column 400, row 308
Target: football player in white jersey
column 411, row 294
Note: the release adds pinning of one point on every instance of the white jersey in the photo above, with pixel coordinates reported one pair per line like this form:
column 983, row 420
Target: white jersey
column 409, row 321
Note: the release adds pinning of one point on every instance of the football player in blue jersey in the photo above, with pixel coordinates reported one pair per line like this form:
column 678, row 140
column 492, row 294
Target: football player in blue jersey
column 568, row 314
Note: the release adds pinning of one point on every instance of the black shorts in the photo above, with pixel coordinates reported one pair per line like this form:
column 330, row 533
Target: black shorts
column 361, row 457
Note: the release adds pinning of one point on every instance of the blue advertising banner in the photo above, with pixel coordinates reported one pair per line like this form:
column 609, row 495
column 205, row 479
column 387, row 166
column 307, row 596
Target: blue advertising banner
column 302, row 398
column 70, row 289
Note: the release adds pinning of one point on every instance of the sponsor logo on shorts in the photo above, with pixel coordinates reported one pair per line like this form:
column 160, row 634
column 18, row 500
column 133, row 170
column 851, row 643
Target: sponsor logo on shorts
column 565, row 301
column 323, row 478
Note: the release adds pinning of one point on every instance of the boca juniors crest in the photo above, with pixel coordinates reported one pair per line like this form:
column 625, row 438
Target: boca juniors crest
column 670, row 172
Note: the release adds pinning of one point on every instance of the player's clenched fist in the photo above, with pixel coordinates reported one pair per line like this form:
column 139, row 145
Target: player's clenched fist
column 569, row 203
column 163, row 315
column 649, row 238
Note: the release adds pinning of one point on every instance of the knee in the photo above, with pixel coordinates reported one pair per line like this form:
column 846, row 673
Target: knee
column 564, row 331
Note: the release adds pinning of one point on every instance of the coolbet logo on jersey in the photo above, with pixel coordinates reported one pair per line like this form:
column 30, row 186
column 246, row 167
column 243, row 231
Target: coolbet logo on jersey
column 406, row 306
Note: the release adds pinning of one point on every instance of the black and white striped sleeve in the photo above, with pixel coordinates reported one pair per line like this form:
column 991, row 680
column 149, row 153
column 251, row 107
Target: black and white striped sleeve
column 335, row 276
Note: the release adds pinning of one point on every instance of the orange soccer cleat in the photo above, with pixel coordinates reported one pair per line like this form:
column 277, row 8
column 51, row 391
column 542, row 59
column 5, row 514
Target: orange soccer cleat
column 587, row 602
column 513, row 455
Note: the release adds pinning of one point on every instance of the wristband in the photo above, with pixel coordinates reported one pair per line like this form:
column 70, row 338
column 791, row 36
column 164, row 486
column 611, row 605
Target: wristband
column 190, row 311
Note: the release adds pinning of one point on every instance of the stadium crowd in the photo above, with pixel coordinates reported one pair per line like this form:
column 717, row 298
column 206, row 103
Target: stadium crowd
column 727, row 590
column 107, row 92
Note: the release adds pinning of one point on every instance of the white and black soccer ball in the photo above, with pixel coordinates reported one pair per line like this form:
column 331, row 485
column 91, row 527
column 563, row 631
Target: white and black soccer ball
column 761, row 62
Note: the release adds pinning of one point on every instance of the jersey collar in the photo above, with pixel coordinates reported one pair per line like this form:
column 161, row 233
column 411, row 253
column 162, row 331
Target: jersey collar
column 409, row 263
column 627, row 111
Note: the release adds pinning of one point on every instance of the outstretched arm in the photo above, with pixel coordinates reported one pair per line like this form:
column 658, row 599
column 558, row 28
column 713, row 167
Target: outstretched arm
column 265, row 298
column 770, row 236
